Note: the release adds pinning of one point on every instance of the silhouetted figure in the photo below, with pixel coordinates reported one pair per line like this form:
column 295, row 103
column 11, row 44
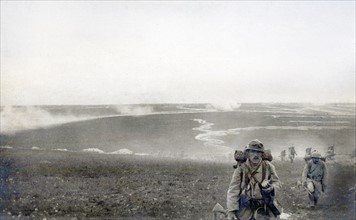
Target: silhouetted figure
column 330, row 154
column 292, row 153
column 314, row 178
column 283, row 155
column 308, row 152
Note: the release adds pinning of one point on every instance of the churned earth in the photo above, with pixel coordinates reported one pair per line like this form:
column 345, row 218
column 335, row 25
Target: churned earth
column 38, row 184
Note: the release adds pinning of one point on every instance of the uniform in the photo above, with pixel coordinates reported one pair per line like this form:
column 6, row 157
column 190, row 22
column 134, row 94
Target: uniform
column 314, row 178
column 283, row 155
column 307, row 156
column 330, row 154
column 244, row 196
column 292, row 154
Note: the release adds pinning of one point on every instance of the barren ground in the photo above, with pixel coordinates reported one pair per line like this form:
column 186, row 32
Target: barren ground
column 49, row 184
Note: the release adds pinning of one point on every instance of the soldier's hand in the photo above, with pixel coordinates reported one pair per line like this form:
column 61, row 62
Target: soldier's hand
column 305, row 184
column 265, row 184
column 231, row 215
column 323, row 188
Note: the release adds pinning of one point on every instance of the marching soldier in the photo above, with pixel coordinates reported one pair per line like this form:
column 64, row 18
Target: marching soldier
column 314, row 178
column 307, row 156
column 253, row 185
column 292, row 153
column 283, row 155
column 330, row 154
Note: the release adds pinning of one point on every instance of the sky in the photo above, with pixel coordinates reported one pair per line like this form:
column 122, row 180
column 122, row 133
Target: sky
column 117, row 52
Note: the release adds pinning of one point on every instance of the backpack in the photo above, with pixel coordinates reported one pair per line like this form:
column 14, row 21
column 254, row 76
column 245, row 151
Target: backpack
column 241, row 156
column 309, row 164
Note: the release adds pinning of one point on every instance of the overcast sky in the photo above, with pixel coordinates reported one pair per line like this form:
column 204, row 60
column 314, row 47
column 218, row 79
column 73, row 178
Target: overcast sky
column 113, row 52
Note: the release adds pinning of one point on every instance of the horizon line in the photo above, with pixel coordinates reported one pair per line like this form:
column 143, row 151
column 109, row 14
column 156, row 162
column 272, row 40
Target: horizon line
column 182, row 103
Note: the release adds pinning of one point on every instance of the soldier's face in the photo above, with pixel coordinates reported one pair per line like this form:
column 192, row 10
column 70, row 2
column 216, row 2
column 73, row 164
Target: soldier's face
column 315, row 160
column 254, row 156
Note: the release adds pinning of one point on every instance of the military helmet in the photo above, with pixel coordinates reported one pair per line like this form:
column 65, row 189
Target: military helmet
column 315, row 154
column 255, row 145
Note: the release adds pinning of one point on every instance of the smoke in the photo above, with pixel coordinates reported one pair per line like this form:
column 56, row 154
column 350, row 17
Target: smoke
column 15, row 119
column 134, row 110
column 224, row 106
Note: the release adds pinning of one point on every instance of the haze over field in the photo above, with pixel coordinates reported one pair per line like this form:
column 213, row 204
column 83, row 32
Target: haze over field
column 195, row 131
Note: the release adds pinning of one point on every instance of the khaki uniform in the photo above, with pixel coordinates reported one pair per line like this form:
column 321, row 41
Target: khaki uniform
column 292, row 154
column 330, row 154
column 283, row 155
column 315, row 176
column 307, row 156
column 244, row 189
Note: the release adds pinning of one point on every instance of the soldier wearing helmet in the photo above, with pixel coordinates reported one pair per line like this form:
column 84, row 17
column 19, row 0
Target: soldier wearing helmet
column 253, row 185
column 291, row 153
column 283, row 155
column 330, row 154
column 308, row 152
column 314, row 178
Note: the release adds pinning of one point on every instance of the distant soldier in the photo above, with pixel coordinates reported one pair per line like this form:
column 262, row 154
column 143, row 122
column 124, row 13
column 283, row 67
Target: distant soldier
column 330, row 154
column 292, row 153
column 283, row 155
column 252, row 188
column 314, row 178
column 307, row 156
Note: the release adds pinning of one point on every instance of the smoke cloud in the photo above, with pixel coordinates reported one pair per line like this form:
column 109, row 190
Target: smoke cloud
column 224, row 106
column 134, row 110
column 14, row 119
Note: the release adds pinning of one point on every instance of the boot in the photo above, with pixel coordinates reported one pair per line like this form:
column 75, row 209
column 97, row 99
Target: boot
column 315, row 201
column 312, row 204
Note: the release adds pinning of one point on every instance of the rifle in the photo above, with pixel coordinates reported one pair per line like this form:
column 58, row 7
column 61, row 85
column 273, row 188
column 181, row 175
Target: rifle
column 306, row 189
column 271, row 202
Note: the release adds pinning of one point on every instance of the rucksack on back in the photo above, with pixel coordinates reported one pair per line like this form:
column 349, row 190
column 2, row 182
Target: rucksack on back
column 241, row 156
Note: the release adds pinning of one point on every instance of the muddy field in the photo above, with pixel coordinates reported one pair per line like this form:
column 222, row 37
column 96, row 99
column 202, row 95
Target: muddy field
column 39, row 184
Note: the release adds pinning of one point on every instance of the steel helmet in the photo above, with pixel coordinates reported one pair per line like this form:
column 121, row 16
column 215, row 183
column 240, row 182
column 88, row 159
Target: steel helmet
column 315, row 154
column 255, row 145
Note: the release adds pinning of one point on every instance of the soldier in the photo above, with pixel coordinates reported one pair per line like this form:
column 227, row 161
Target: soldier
column 252, row 188
column 283, row 155
column 314, row 178
column 307, row 156
column 292, row 154
column 330, row 154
